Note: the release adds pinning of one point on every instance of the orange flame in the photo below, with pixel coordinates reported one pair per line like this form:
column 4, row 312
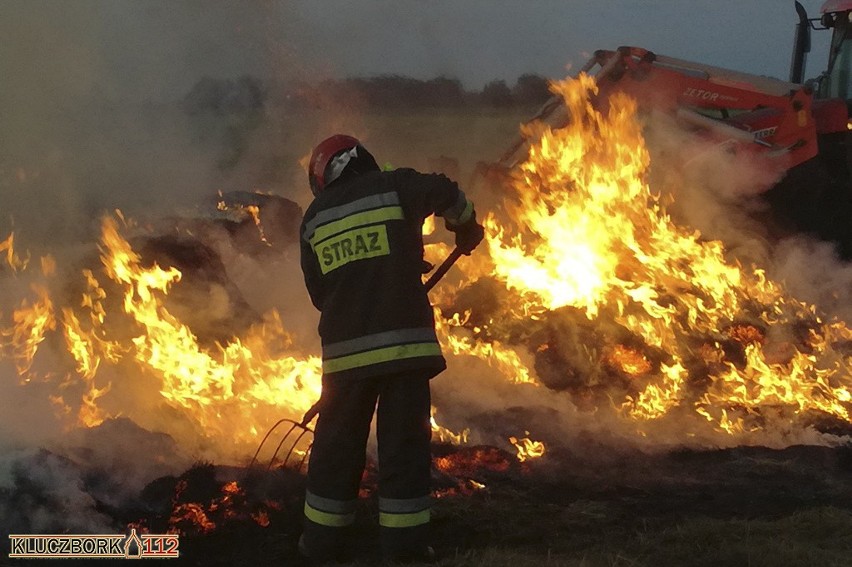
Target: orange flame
column 13, row 260
column 237, row 378
column 31, row 322
column 527, row 448
column 587, row 231
column 444, row 435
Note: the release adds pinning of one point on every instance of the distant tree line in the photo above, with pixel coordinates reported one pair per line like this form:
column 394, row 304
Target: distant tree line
column 248, row 94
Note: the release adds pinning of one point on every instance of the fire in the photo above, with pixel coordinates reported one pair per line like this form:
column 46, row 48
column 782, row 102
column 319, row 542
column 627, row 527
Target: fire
column 586, row 230
column 252, row 211
column 231, row 391
column 681, row 326
column 235, row 378
column 31, row 323
column 429, row 225
column 444, row 435
column 207, row 512
column 527, row 448
column 507, row 361
column 13, row 260
column 629, row 361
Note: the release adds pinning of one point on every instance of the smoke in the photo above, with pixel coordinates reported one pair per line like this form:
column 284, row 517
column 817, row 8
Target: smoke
column 92, row 122
column 71, row 486
column 718, row 191
column 90, row 107
column 41, row 492
column 473, row 395
column 710, row 187
column 812, row 272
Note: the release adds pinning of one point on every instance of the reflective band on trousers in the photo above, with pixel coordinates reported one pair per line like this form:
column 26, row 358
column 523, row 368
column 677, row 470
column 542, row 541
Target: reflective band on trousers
column 387, row 520
column 380, row 355
column 329, row 512
column 342, row 211
column 404, row 513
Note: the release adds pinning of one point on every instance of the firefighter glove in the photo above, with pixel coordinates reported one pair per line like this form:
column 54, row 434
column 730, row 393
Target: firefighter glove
column 468, row 235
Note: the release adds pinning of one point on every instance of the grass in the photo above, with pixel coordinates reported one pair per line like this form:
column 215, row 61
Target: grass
column 820, row 536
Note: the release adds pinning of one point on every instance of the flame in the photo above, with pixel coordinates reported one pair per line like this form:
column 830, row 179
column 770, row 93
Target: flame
column 238, row 376
column 585, row 230
column 527, row 448
column 506, row 360
column 241, row 211
column 13, row 260
column 444, row 435
column 89, row 347
column 232, row 391
column 31, row 323
column 629, row 361
column 429, row 225
column 48, row 265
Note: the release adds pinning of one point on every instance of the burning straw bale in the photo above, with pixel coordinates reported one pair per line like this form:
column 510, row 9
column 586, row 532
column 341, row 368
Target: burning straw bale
column 257, row 223
column 205, row 298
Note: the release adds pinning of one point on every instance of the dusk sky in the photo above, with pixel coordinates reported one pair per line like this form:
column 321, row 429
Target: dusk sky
column 156, row 49
column 79, row 76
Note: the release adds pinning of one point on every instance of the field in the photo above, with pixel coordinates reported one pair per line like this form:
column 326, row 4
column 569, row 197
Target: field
column 587, row 507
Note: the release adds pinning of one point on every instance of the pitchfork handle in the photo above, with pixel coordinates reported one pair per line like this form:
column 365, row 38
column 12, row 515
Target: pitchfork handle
column 443, row 268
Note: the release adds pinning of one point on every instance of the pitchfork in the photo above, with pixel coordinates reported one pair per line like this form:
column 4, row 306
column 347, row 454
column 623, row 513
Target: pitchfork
column 302, row 429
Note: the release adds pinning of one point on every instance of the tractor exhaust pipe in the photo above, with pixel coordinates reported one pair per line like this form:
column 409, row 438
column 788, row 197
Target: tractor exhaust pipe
column 801, row 46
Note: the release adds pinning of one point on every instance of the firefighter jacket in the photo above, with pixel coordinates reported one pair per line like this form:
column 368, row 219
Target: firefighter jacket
column 362, row 258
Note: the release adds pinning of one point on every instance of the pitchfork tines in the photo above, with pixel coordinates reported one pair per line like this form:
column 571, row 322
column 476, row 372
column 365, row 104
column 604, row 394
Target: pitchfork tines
column 295, row 435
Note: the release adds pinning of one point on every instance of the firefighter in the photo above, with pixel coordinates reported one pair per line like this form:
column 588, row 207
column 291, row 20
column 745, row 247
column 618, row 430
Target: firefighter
column 362, row 259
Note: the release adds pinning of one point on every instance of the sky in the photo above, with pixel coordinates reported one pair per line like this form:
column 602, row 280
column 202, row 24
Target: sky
column 82, row 81
column 156, row 49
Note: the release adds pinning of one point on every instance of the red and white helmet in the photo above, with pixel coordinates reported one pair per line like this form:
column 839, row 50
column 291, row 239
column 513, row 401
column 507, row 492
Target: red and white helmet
column 319, row 174
column 832, row 6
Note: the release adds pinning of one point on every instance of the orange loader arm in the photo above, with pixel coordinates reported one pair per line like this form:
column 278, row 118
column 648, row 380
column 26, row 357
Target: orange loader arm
column 759, row 113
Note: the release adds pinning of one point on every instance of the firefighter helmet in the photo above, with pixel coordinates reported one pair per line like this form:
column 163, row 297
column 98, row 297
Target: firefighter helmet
column 323, row 168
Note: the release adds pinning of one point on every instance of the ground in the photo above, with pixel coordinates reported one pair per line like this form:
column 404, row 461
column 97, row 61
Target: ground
column 588, row 506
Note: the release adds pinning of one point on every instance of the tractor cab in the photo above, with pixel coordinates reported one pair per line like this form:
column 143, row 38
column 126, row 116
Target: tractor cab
column 836, row 81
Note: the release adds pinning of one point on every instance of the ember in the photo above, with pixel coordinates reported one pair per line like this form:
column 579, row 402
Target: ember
column 629, row 361
column 746, row 334
column 200, row 504
column 470, row 461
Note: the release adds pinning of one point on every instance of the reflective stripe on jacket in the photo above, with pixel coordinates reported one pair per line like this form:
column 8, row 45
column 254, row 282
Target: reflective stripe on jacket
column 361, row 253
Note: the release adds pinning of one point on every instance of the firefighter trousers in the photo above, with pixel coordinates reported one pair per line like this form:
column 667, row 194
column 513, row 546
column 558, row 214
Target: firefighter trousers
column 338, row 457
